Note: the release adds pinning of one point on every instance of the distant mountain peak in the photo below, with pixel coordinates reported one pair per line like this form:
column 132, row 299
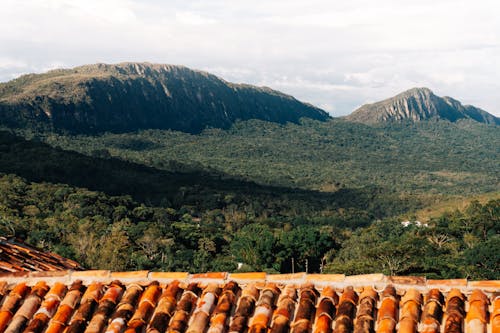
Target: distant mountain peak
column 419, row 104
column 418, row 91
column 131, row 96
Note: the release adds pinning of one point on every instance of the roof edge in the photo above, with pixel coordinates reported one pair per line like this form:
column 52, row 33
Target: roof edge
column 378, row 281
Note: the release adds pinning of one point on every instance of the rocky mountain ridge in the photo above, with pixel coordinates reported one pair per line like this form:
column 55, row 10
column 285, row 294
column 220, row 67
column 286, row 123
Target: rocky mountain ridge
column 131, row 96
column 419, row 104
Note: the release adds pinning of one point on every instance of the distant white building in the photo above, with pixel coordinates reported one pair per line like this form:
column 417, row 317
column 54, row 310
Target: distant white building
column 416, row 223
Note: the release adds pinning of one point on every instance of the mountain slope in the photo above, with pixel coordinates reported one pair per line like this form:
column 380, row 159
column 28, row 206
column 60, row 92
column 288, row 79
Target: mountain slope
column 419, row 104
column 131, row 96
column 187, row 185
column 425, row 157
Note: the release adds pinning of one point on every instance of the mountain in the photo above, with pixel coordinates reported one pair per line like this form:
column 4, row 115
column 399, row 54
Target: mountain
column 131, row 96
column 419, row 104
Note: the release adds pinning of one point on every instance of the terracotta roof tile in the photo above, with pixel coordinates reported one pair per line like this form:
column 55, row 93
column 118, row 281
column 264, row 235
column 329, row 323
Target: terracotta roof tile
column 210, row 275
column 16, row 256
column 132, row 275
column 388, row 311
column 433, row 312
column 244, row 309
column 125, row 309
column 410, row 280
column 12, row 303
column 285, row 309
column 287, row 278
column 365, row 318
column 165, row 309
column 364, row 278
column 495, row 313
column 21, row 274
column 324, row 278
column 199, row 303
column 93, row 274
column 66, row 308
column 28, row 308
column 346, row 311
column 455, row 311
column 410, row 305
column 3, row 289
column 222, row 312
column 477, row 316
column 447, row 284
column 306, row 309
column 491, row 285
column 251, row 276
column 168, row 276
column 325, row 311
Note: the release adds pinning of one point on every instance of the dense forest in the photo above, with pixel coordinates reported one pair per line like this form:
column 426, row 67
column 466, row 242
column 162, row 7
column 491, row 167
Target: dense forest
column 434, row 157
column 329, row 195
column 116, row 232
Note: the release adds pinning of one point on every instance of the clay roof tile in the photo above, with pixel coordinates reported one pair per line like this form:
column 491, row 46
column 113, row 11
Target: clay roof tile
column 217, row 303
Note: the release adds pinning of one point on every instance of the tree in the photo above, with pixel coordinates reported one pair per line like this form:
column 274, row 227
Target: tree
column 254, row 245
column 484, row 259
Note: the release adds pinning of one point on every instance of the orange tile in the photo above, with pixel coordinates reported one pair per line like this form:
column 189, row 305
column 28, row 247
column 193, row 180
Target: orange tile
column 168, row 275
column 49, row 274
column 130, row 275
column 210, row 275
column 364, row 278
column 14, row 274
column 448, row 283
column 96, row 274
column 3, row 287
column 325, row 278
column 490, row 285
column 286, row 277
column 250, row 276
column 410, row 280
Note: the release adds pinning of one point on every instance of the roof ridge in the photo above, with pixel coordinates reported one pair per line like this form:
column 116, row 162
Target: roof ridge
column 376, row 280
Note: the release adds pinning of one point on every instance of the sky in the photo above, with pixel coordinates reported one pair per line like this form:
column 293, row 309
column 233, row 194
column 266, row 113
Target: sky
column 335, row 54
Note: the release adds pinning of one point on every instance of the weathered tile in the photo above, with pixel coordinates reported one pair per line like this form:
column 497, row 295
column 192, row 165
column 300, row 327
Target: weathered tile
column 409, row 280
column 491, row 285
column 132, row 275
column 364, row 278
column 325, row 278
column 49, row 274
column 449, row 283
column 168, row 276
column 286, row 278
column 91, row 274
column 6, row 275
column 248, row 277
column 210, row 275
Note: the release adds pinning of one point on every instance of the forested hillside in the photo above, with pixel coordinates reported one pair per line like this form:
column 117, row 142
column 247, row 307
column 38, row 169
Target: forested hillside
column 116, row 232
column 329, row 195
column 188, row 186
column 428, row 158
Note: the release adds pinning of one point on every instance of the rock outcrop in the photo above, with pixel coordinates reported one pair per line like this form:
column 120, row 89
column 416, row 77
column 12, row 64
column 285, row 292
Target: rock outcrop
column 419, row 104
column 131, row 96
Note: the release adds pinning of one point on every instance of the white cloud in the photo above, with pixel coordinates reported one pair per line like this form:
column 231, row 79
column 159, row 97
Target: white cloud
column 335, row 54
column 191, row 18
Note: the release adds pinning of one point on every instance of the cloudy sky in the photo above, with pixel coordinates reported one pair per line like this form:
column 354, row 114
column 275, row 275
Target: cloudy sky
column 336, row 54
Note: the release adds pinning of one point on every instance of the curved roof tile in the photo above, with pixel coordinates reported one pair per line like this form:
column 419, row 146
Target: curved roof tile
column 215, row 303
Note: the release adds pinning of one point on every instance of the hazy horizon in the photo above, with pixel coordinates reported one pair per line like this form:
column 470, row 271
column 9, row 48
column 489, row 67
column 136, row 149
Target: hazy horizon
column 336, row 56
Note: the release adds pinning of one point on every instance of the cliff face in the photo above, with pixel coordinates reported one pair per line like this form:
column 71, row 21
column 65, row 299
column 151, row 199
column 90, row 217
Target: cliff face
column 419, row 104
column 131, row 96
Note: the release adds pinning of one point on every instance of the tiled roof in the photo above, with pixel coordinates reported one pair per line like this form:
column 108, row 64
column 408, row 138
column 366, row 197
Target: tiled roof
column 16, row 256
column 152, row 302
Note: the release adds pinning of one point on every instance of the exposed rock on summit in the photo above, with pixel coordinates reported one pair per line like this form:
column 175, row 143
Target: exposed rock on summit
column 419, row 104
column 131, row 96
